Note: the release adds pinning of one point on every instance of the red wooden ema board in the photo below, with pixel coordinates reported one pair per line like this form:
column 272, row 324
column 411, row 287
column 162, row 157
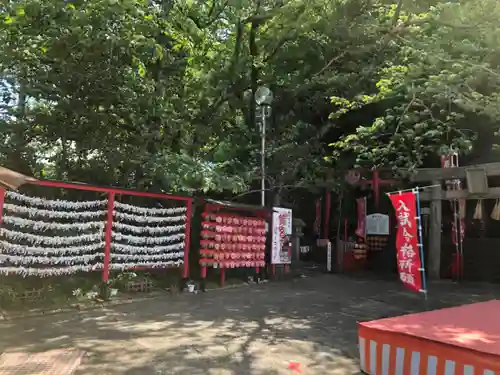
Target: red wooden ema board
column 462, row 340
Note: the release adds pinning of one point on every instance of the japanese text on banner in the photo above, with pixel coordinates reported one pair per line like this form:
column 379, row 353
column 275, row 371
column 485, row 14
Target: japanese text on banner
column 408, row 255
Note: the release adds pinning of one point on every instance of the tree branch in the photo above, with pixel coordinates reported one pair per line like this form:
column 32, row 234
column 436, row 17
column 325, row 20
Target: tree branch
column 335, row 59
column 397, row 13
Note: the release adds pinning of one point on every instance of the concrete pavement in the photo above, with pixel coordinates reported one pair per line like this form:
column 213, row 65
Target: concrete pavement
column 249, row 330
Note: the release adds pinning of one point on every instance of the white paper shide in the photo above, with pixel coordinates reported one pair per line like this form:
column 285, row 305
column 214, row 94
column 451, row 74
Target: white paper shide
column 44, row 237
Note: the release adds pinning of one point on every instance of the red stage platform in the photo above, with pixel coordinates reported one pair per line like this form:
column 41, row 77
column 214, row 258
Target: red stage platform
column 462, row 340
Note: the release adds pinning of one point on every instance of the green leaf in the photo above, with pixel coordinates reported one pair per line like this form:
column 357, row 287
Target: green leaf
column 141, row 70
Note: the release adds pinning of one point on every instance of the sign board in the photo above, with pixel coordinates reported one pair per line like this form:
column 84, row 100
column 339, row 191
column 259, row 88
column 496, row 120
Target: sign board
column 352, row 177
column 377, row 224
column 281, row 248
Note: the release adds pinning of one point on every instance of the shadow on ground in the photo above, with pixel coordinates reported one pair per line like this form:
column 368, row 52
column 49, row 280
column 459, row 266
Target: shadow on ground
column 252, row 330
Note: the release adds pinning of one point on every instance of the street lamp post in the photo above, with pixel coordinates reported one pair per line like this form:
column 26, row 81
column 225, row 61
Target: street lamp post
column 263, row 98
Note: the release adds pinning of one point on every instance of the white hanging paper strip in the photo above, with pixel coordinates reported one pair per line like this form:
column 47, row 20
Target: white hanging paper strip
column 64, row 259
column 56, row 203
column 45, row 272
column 123, row 266
column 177, row 255
column 148, row 240
column 44, row 225
column 146, row 229
column 149, row 211
column 147, row 250
column 49, row 240
column 149, row 219
column 33, row 212
column 26, row 260
column 6, row 247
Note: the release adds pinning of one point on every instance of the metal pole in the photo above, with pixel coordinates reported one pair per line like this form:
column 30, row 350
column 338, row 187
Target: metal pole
column 263, row 158
column 421, row 243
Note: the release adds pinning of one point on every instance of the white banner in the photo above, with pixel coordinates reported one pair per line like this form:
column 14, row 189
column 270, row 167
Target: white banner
column 281, row 248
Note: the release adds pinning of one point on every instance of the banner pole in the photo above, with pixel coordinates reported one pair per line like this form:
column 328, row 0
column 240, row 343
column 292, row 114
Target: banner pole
column 412, row 189
column 421, row 242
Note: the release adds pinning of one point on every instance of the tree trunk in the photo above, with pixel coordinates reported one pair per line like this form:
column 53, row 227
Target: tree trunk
column 15, row 156
column 277, row 196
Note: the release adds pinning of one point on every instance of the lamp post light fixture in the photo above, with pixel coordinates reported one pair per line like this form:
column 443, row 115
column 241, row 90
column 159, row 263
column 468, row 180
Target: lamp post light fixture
column 263, row 97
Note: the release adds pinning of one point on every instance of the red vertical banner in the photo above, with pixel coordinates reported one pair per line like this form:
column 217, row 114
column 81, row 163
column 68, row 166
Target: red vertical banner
column 458, row 223
column 361, row 205
column 407, row 240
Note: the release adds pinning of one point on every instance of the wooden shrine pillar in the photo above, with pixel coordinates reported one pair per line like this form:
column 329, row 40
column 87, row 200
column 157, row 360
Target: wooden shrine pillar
column 434, row 254
column 327, row 209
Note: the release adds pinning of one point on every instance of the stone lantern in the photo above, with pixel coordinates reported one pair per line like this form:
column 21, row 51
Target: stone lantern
column 297, row 227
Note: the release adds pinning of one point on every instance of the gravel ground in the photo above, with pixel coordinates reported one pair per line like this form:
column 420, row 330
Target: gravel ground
column 305, row 325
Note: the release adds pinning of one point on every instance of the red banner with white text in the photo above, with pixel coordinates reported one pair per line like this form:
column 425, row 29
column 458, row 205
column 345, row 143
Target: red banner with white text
column 407, row 240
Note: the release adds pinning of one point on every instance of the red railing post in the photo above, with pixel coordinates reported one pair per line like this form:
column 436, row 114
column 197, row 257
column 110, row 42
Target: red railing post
column 107, row 236
column 187, row 238
column 222, row 277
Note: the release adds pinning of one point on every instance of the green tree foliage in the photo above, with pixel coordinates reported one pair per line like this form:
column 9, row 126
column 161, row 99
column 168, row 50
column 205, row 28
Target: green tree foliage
column 98, row 91
column 443, row 75
column 159, row 94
